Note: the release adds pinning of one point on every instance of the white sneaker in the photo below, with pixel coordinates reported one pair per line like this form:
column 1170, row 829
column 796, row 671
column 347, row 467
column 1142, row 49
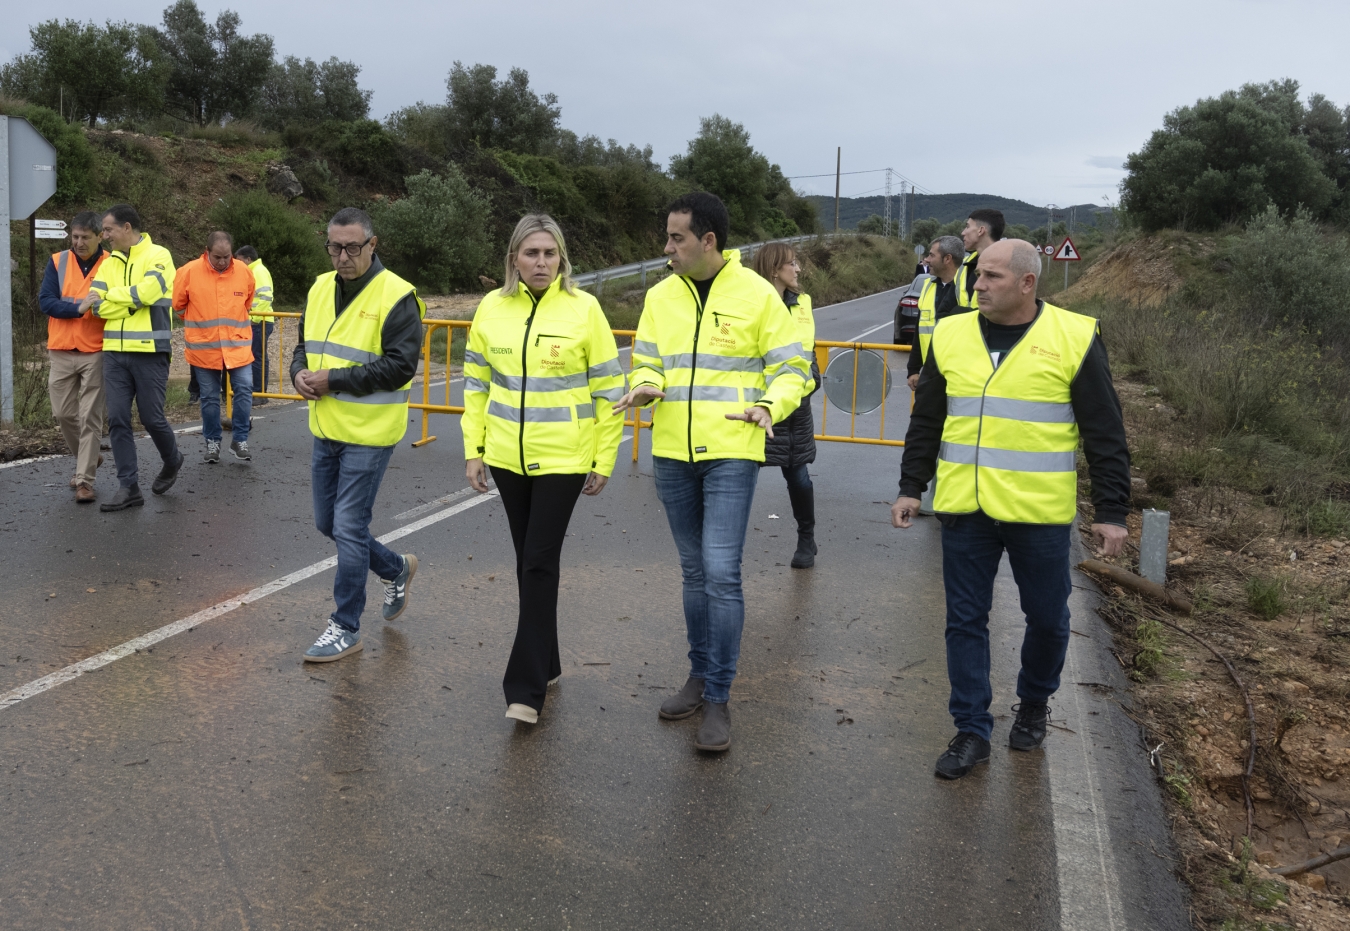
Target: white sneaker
column 554, row 680
column 523, row 713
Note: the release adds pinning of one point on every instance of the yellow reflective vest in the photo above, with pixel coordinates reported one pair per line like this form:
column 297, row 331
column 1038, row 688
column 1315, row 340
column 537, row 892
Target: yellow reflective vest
column 742, row 349
column 262, row 293
column 1010, row 439
column 540, row 381
column 135, row 298
column 334, row 341
column 965, row 283
column 802, row 312
column 928, row 314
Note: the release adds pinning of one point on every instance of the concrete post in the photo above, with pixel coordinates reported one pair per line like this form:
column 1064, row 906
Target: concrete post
column 1153, row 546
column 6, row 304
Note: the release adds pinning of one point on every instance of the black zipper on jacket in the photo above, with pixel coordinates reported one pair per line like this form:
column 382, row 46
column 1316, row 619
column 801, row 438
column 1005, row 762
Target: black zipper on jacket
column 524, row 374
column 693, row 363
column 540, row 336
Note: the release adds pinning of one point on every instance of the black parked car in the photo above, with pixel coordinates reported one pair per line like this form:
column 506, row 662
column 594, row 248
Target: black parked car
column 907, row 312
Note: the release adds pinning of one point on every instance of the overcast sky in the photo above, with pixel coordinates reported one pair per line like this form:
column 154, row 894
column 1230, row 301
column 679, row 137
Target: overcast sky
column 1038, row 101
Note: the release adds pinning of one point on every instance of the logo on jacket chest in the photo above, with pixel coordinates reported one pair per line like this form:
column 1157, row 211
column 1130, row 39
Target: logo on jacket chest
column 554, row 357
column 1044, row 353
column 368, row 315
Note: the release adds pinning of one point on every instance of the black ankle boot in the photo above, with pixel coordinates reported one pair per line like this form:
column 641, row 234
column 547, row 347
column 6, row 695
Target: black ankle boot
column 804, row 510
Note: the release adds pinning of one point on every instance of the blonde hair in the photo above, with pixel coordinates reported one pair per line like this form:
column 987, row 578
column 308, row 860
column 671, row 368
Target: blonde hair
column 772, row 257
column 530, row 224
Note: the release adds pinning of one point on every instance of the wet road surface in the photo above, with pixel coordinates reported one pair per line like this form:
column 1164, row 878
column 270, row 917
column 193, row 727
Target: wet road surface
column 213, row 780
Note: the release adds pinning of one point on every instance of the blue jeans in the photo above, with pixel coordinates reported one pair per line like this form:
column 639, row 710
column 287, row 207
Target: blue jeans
column 708, row 506
column 259, row 376
column 142, row 377
column 346, row 479
column 241, row 382
column 972, row 546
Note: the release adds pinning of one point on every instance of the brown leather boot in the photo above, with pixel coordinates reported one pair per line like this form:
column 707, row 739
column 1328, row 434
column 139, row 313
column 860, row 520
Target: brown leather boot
column 84, row 493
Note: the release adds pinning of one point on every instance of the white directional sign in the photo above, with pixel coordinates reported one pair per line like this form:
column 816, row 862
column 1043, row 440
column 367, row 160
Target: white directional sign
column 1068, row 252
column 50, row 224
column 49, row 234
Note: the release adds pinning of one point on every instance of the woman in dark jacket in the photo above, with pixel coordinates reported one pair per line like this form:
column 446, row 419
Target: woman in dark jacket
column 793, row 444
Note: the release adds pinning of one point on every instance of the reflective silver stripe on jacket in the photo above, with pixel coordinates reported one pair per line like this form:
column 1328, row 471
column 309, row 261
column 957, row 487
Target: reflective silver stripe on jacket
column 1011, row 409
column 713, row 363
column 752, row 395
column 703, row 393
column 540, row 382
column 475, row 384
column 532, row 414
column 474, row 358
column 220, row 344
column 585, row 412
column 143, row 334
column 339, row 351
column 646, row 348
column 1013, row 460
column 377, row 397
column 135, row 297
column 927, row 329
column 784, row 353
column 605, row 369
column 158, row 277
column 613, row 395
column 218, row 321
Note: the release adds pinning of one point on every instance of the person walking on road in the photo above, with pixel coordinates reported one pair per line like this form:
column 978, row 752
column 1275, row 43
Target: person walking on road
column 720, row 355
column 262, row 325
column 213, row 295
column 132, row 296
column 1004, row 398
column 793, row 444
column 937, row 300
column 541, row 371
column 360, row 340
column 983, row 228
column 75, row 350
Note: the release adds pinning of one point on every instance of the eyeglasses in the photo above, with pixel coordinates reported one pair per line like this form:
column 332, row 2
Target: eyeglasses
column 794, row 263
column 352, row 248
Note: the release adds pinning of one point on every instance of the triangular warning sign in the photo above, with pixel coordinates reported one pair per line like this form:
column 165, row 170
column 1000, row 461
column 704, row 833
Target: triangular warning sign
column 1067, row 252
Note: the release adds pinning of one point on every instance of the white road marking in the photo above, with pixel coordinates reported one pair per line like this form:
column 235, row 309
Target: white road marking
column 99, row 660
column 865, row 297
column 859, row 337
column 20, row 462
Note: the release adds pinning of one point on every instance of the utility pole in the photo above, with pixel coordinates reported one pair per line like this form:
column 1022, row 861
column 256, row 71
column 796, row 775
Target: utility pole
column 838, row 161
column 903, row 225
column 886, row 226
column 912, row 214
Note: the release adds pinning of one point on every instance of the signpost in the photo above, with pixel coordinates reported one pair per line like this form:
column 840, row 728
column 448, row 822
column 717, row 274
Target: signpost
column 1067, row 253
column 27, row 179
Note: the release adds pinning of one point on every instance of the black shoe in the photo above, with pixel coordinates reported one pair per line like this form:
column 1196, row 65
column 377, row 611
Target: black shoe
column 1029, row 729
column 684, row 702
column 128, row 496
column 714, row 734
column 805, row 557
column 964, row 753
column 194, row 399
column 259, row 402
column 167, row 476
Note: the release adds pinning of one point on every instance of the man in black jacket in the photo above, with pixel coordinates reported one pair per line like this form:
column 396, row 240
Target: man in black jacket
column 1004, row 484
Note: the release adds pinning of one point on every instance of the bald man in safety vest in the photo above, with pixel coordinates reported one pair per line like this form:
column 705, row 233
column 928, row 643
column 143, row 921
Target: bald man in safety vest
column 213, row 295
column 75, row 349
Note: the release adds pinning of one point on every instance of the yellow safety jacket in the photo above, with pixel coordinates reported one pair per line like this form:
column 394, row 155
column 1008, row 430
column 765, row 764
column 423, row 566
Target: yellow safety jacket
column 262, row 293
column 743, row 349
column 334, row 341
column 928, row 314
column 965, row 283
column 540, row 381
column 135, row 298
column 1010, row 440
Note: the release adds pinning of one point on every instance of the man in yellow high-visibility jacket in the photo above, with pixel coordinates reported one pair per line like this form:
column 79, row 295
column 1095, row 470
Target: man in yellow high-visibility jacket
column 262, row 326
column 983, row 228
column 360, row 341
column 1004, row 398
column 721, row 356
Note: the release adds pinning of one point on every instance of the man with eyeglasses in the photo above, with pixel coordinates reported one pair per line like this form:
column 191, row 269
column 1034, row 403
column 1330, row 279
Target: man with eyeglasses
column 213, row 295
column 360, row 339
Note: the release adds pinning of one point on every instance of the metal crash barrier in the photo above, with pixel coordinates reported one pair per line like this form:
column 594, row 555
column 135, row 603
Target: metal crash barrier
column 853, row 366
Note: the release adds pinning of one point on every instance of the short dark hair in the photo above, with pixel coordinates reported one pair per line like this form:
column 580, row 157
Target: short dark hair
column 353, row 216
column 123, row 214
column 218, row 236
column 707, row 214
column 992, row 219
column 86, row 220
column 246, row 254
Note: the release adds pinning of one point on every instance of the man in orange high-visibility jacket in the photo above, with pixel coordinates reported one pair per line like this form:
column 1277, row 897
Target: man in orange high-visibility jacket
column 213, row 295
column 75, row 348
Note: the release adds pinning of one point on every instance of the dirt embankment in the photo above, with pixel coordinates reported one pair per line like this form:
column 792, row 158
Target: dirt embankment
column 1277, row 607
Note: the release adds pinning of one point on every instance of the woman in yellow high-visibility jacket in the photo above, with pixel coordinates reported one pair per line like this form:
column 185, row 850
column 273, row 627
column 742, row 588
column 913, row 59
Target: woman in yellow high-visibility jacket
column 541, row 373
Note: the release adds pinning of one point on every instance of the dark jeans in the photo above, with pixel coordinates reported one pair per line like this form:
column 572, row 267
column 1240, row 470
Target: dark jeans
column 346, row 478
column 538, row 508
column 708, row 506
column 212, row 384
column 972, row 546
column 798, row 478
column 259, row 376
column 144, row 378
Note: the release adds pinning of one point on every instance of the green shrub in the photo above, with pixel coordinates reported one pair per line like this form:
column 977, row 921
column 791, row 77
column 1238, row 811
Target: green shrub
column 74, row 158
column 1266, row 596
column 286, row 241
column 437, row 235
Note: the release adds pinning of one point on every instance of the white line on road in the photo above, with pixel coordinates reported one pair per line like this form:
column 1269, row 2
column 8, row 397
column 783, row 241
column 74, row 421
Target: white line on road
column 865, row 297
column 99, row 660
column 867, row 332
column 20, row 462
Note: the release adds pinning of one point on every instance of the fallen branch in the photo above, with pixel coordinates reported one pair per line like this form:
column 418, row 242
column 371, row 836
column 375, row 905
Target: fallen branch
column 1136, row 583
column 1340, row 854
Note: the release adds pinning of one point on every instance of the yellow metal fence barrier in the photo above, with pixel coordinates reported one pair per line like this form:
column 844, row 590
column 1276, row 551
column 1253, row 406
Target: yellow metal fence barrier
column 445, row 331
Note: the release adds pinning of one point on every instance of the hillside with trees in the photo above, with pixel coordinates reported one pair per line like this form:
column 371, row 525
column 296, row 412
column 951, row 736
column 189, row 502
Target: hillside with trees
column 855, row 212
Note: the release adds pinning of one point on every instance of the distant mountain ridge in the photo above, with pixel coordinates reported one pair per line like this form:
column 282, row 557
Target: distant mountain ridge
column 945, row 208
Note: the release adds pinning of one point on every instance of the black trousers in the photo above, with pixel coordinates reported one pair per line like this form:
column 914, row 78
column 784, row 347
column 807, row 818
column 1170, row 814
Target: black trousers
column 538, row 509
column 142, row 377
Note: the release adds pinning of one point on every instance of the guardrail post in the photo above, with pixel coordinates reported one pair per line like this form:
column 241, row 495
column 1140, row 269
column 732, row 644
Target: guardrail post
column 644, row 276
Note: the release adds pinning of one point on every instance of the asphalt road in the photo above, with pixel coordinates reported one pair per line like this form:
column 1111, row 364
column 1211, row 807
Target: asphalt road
column 210, row 779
